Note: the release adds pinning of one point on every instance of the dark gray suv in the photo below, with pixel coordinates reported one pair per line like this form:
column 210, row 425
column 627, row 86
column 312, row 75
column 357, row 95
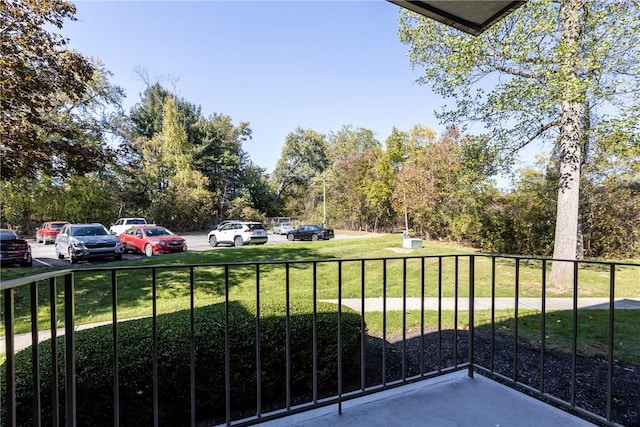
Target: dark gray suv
column 84, row 241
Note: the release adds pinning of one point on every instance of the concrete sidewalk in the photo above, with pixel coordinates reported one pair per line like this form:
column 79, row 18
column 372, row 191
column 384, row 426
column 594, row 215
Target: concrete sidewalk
column 396, row 304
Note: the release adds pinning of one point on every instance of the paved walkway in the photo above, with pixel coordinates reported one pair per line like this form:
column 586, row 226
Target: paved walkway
column 396, row 304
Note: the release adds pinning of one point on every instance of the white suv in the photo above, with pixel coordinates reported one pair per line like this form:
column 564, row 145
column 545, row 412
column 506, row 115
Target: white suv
column 283, row 228
column 123, row 224
column 239, row 233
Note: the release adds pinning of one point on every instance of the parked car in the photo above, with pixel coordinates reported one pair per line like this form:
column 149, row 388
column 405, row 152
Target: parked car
column 123, row 224
column 219, row 225
column 14, row 249
column 283, row 228
column 310, row 232
column 151, row 240
column 239, row 233
column 48, row 231
column 85, row 241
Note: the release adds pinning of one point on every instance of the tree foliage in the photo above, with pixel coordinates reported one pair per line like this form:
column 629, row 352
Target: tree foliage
column 560, row 72
column 303, row 156
column 176, row 155
column 46, row 92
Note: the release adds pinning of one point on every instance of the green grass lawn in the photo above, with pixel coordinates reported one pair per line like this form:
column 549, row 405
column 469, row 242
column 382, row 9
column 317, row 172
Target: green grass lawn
column 404, row 275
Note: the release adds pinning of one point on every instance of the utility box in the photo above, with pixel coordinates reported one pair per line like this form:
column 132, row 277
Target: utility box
column 412, row 243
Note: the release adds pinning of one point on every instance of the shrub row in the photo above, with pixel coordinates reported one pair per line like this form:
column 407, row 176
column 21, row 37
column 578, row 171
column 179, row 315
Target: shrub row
column 95, row 376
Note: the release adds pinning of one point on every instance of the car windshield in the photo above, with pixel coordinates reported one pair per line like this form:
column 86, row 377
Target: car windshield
column 136, row 221
column 8, row 235
column 57, row 225
column 256, row 226
column 285, row 224
column 89, row 231
column 153, row 232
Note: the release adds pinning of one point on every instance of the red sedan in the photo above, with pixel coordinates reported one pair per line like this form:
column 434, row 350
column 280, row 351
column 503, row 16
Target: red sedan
column 152, row 240
column 48, row 231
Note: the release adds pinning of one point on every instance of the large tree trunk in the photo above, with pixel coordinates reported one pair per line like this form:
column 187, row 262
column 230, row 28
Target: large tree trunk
column 571, row 133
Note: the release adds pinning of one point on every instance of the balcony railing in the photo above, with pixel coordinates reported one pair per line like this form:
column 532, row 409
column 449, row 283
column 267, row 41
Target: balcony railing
column 434, row 314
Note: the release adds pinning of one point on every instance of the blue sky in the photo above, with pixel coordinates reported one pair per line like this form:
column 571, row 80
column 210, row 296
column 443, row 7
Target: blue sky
column 274, row 64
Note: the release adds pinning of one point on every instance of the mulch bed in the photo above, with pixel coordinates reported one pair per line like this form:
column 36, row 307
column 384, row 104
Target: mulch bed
column 591, row 373
column 443, row 350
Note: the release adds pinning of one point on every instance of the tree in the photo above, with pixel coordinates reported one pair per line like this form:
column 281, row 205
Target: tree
column 303, row 156
column 147, row 115
column 561, row 72
column 215, row 144
column 351, row 155
column 218, row 154
column 39, row 78
column 348, row 141
column 180, row 198
column 255, row 185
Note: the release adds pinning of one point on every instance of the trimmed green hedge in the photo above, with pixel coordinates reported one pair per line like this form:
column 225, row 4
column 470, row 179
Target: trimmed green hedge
column 94, row 361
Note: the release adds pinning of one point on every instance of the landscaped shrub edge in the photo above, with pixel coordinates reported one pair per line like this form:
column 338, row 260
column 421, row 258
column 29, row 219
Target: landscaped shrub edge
column 94, row 363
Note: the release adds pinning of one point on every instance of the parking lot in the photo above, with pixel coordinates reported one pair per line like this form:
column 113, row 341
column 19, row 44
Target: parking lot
column 45, row 255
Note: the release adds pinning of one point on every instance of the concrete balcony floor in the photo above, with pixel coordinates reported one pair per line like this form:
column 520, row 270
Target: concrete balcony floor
column 451, row 400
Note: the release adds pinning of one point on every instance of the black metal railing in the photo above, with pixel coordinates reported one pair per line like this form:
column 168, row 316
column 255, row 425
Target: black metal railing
column 408, row 344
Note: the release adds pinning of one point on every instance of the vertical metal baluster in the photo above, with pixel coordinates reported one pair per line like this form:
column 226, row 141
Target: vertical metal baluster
column 315, row 332
column 227, row 350
column 55, row 395
column 35, row 356
column 154, row 344
column 384, row 322
column 543, row 323
column 422, row 273
column 288, row 340
column 574, row 344
column 70, row 349
column 340, row 337
column 192, row 345
column 493, row 312
column 612, row 295
column 114, row 344
column 455, row 312
column 472, row 286
column 439, row 314
column 515, row 319
column 9, row 319
column 363, row 337
column 404, row 319
column 258, row 347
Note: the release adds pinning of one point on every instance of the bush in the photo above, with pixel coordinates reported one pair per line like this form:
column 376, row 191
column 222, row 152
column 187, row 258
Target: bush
column 94, row 362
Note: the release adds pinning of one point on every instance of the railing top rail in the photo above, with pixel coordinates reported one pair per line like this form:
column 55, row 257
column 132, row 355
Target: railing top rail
column 539, row 258
column 13, row 283
column 20, row 281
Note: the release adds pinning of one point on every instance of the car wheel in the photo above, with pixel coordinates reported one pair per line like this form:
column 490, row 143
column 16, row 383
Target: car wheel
column 72, row 258
column 27, row 263
column 314, row 237
column 117, row 257
column 290, row 237
column 148, row 250
column 213, row 241
column 238, row 241
column 60, row 256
